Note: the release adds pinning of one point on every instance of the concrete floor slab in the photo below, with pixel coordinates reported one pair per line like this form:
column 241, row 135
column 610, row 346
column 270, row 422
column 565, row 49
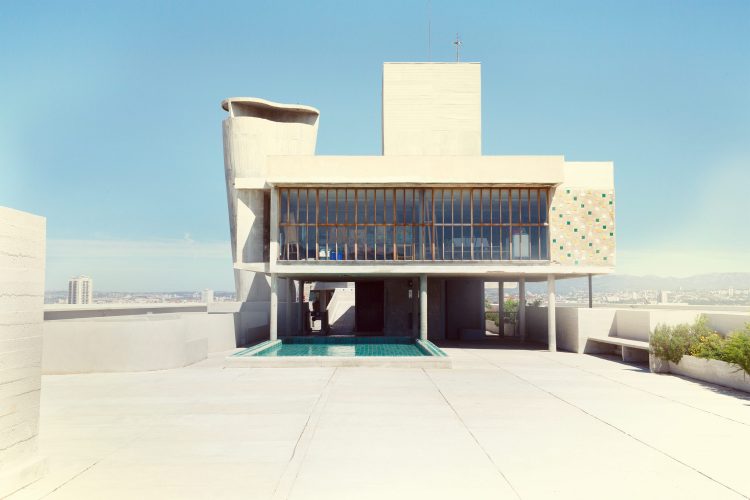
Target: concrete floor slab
column 501, row 424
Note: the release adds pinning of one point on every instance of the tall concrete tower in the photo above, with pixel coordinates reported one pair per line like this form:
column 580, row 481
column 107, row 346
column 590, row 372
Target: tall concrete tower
column 254, row 130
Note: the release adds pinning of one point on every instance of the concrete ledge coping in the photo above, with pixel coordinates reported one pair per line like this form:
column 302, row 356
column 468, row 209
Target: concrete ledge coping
column 338, row 361
column 637, row 344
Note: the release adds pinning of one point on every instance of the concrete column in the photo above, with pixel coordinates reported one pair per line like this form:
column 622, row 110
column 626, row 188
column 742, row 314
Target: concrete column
column 591, row 300
column 274, row 308
column 301, row 301
column 273, row 244
column 551, row 322
column 323, row 302
column 423, row 307
column 522, row 308
column 501, row 306
column 289, row 316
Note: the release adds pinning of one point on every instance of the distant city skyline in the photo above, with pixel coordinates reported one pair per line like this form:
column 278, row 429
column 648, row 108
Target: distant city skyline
column 111, row 125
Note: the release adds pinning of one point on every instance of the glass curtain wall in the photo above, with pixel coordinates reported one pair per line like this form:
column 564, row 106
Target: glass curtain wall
column 427, row 224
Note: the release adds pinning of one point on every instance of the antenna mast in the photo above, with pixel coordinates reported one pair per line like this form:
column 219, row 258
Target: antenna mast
column 458, row 43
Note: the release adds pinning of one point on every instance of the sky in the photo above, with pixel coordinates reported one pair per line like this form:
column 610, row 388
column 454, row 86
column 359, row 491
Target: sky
column 110, row 118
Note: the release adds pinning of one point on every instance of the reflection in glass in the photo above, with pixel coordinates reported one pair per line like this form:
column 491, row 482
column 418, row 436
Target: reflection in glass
column 413, row 224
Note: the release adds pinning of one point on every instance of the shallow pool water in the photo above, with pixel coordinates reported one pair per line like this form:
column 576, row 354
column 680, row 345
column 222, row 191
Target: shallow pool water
column 346, row 347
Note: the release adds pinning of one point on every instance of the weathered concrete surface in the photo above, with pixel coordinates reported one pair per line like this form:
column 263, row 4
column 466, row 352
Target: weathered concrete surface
column 500, row 424
column 22, row 251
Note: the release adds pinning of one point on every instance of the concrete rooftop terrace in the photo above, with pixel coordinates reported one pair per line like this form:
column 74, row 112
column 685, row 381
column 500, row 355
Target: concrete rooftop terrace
column 500, row 424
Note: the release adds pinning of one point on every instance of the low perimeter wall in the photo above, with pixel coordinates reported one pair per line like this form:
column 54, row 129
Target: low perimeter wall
column 576, row 325
column 84, row 339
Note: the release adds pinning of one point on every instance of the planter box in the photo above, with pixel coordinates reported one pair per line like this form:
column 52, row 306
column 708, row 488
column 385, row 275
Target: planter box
column 713, row 371
column 657, row 365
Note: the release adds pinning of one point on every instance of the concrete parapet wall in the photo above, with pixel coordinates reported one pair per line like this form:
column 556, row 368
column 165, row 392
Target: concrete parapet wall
column 568, row 338
column 22, row 254
column 70, row 311
column 575, row 326
column 138, row 342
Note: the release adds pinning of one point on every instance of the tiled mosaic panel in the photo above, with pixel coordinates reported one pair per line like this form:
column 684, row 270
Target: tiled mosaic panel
column 582, row 227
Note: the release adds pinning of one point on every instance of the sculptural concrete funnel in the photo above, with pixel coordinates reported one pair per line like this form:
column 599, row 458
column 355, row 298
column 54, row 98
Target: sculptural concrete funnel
column 254, row 130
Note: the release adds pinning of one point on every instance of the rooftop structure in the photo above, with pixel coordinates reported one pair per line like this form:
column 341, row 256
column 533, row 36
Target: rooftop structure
column 420, row 228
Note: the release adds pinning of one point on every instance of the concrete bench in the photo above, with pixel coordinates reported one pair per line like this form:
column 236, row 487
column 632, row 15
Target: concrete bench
column 632, row 350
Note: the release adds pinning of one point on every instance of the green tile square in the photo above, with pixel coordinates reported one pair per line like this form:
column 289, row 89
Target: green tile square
column 575, row 198
column 597, row 251
column 611, row 234
column 554, row 240
column 610, row 202
column 604, row 195
column 591, row 244
column 575, row 230
column 567, row 191
column 604, row 226
column 605, row 258
column 568, row 255
column 589, row 212
column 597, row 220
column 583, row 236
column 576, row 263
column 567, row 223
column 561, row 247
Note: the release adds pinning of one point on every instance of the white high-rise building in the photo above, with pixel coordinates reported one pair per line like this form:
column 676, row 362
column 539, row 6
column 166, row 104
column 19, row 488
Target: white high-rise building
column 207, row 295
column 80, row 290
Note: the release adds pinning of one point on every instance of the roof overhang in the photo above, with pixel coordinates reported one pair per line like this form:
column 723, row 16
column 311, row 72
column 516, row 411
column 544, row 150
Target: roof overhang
column 409, row 170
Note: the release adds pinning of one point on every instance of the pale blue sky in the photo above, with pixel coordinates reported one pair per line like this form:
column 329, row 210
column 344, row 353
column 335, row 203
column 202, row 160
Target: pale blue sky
column 110, row 124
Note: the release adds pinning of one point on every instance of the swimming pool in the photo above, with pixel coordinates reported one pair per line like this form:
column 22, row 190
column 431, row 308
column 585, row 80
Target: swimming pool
column 342, row 351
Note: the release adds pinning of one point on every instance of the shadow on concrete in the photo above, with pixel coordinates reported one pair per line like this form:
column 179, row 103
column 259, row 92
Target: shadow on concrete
column 511, row 343
column 643, row 367
column 616, row 358
column 344, row 324
column 718, row 389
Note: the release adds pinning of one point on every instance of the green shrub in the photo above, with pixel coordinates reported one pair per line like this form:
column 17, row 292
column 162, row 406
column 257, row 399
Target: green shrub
column 709, row 346
column 492, row 316
column 510, row 306
column 737, row 349
column 700, row 327
column 671, row 342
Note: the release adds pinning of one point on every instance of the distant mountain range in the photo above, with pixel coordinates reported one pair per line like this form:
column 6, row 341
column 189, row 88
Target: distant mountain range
column 625, row 282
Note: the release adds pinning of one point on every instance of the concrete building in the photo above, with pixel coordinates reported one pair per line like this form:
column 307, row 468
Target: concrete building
column 420, row 228
column 80, row 290
column 207, row 296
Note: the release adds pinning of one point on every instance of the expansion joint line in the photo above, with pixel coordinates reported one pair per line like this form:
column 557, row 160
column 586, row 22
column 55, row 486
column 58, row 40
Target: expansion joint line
column 661, row 396
column 473, row 436
column 622, row 431
column 288, row 477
